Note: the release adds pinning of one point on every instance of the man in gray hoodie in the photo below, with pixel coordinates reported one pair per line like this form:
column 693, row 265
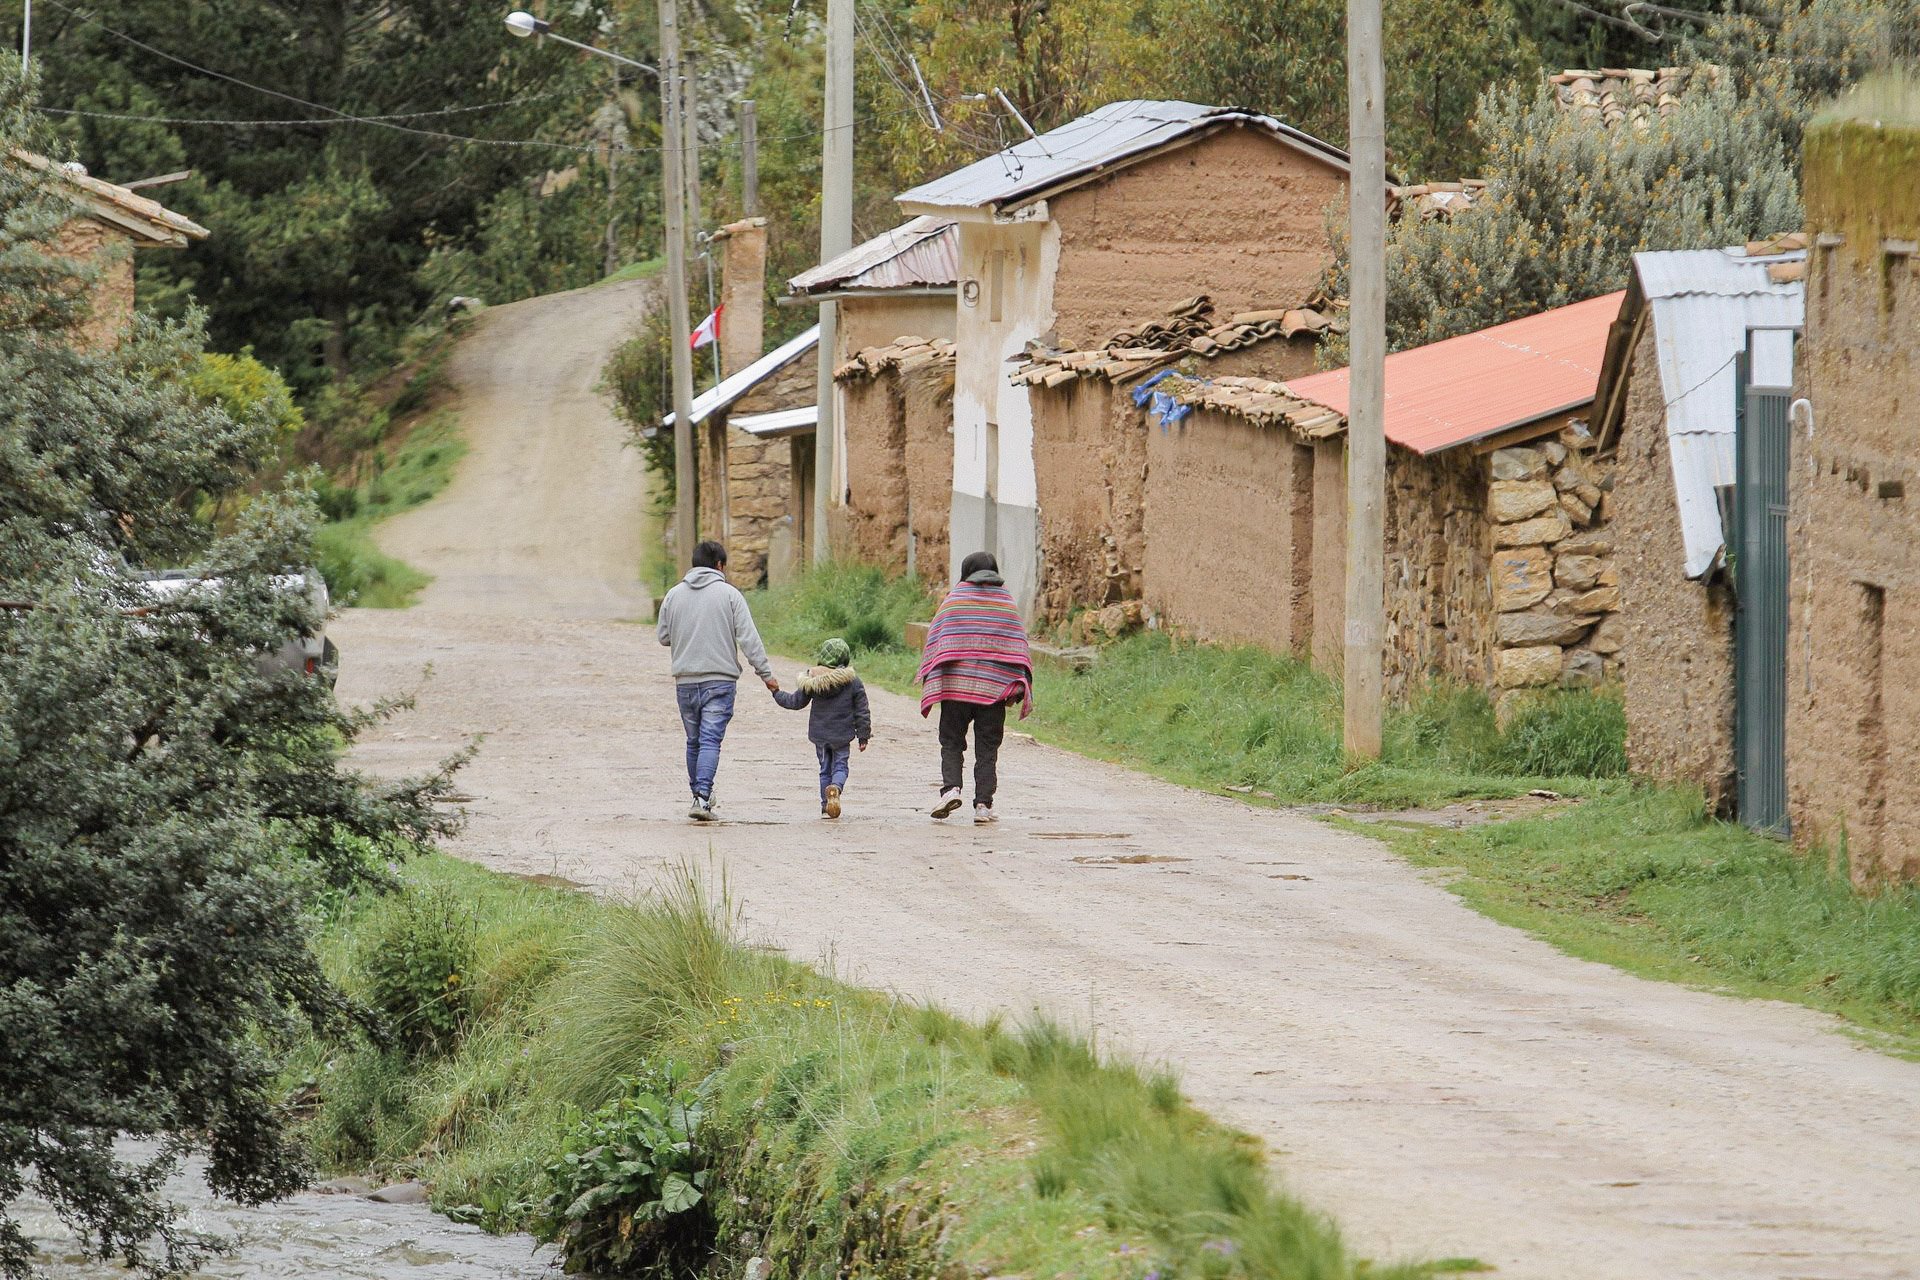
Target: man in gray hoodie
column 706, row 624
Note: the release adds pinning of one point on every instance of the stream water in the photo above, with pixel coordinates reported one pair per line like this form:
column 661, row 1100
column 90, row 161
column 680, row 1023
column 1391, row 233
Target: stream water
column 311, row 1236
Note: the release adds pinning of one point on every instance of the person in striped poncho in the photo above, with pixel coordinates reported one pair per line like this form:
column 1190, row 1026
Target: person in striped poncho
column 976, row 662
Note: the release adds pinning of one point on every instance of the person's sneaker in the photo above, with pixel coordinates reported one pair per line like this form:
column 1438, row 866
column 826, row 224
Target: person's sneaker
column 702, row 810
column 832, row 806
column 983, row 814
column 949, row 801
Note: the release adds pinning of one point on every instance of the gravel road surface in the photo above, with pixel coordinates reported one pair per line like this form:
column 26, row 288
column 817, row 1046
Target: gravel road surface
column 1443, row 1084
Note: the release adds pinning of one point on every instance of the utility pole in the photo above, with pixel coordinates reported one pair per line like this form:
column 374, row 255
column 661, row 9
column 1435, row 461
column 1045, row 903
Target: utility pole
column 1366, row 398
column 26, row 33
column 749, row 158
column 836, row 237
column 690, row 126
column 686, row 499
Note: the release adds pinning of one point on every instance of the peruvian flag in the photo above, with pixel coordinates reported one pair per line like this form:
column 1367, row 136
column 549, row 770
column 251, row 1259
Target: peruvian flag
column 709, row 330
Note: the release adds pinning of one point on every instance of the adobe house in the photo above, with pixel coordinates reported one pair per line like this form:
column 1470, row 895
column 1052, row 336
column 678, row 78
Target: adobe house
column 111, row 222
column 1666, row 415
column 1106, row 224
column 1853, row 706
column 753, row 436
column 1499, row 571
column 894, row 291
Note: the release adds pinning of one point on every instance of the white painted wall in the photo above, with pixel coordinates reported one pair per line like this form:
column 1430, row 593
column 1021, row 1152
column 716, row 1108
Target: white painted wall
column 1012, row 262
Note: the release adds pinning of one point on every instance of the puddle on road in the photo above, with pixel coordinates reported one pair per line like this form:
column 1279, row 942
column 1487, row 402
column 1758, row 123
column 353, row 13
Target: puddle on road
column 1127, row 859
column 1083, row 835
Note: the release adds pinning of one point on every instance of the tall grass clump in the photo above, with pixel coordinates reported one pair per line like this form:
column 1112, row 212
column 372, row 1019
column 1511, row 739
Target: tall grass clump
column 858, row 603
column 829, row 1129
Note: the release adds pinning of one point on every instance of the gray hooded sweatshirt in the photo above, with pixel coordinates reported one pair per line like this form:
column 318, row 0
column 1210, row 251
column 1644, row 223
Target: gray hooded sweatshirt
column 704, row 620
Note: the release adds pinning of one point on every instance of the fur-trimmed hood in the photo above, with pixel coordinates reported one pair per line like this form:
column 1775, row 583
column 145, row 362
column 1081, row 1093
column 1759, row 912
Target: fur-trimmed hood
column 819, row 680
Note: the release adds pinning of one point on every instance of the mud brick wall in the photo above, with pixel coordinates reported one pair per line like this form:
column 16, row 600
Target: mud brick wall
column 1229, row 532
column 742, row 506
column 1676, row 633
column 876, row 512
column 1439, row 548
column 1239, row 217
column 1555, row 584
column 1853, row 718
column 110, row 295
column 1090, row 471
column 927, row 396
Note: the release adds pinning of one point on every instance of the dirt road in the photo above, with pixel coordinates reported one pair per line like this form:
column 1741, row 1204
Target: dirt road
column 1445, row 1085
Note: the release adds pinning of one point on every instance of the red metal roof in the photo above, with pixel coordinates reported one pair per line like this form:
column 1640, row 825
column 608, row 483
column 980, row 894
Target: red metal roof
column 1462, row 389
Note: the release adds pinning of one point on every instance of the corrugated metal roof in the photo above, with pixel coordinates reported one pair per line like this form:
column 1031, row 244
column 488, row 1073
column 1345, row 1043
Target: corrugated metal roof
column 922, row 253
column 1703, row 302
column 733, row 387
column 780, row 422
column 1082, row 148
column 1463, row 389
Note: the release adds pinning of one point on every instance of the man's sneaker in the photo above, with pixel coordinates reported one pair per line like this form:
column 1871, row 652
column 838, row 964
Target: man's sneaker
column 983, row 814
column 832, row 806
column 702, row 810
column 949, row 801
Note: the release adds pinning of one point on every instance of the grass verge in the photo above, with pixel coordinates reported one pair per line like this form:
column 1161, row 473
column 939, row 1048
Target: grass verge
column 419, row 467
column 1213, row 717
column 1646, row 881
column 845, row 1132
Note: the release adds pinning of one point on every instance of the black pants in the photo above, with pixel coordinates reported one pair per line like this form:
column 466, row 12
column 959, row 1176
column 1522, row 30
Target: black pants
column 989, row 727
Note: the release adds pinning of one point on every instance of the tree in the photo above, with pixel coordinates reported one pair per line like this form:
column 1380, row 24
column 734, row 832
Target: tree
column 171, row 808
column 1288, row 58
column 321, row 223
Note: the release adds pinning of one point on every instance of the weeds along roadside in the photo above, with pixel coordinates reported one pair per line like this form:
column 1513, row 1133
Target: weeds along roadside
column 381, row 448
column 1635, row 875
column 533, row 1030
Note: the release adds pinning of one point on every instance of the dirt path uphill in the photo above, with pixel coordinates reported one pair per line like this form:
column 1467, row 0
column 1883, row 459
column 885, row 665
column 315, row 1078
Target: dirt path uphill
column 1445, row 1085
column 542, row 517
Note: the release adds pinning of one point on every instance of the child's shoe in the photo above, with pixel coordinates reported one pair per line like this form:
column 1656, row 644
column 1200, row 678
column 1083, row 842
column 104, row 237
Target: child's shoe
column 832, row 807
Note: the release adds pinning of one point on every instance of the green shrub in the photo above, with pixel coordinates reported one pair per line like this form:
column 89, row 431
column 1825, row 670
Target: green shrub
column 419, row 966
column 629, row 1187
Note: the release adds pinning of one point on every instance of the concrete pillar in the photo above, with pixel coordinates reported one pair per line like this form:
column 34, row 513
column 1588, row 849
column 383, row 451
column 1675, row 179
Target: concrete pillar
column 743, row 293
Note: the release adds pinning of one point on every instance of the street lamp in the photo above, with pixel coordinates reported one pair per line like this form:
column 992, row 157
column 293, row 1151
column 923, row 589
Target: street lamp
column 672, row 147
column 524, row 24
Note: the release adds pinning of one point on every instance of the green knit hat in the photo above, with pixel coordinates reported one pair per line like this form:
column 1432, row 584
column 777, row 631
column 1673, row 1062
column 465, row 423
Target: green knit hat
column 834, row 653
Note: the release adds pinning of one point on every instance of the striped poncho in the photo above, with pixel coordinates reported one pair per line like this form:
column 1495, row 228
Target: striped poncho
column 977, row 650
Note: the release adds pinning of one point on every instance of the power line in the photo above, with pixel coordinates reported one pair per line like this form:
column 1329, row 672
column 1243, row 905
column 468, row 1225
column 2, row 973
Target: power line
column 318, row 120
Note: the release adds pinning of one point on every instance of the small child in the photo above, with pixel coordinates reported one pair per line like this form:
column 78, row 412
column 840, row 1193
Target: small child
column 839, row 717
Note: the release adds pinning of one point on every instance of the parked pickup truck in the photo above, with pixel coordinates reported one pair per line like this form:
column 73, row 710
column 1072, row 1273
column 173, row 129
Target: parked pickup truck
column 315, row 655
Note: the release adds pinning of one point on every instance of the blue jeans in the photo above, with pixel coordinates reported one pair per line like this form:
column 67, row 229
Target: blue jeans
column 834, row 759
column 705, row 709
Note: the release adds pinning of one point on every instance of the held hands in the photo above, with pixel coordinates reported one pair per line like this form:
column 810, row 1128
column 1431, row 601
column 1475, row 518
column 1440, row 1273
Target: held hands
column 863, row 744
column 773, row 684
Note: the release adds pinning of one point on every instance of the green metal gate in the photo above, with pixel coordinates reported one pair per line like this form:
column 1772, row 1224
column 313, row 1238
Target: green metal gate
column 1761, row 450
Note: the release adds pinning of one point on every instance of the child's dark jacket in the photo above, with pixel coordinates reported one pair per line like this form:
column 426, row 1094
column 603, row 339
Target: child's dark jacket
column 839, row 703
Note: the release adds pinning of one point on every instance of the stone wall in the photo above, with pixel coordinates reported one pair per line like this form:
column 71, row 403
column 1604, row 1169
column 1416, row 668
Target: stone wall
column 1677, row 633
column 1554, row 580
column 746, row 482
column 1853, row 718
column 1229, row 532
column 1439, row 545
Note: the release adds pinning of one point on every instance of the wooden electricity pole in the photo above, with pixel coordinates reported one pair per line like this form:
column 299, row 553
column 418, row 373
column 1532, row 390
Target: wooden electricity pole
column 1366, row 405
column 686, row 498
column 836, row 237
column 749, row 158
